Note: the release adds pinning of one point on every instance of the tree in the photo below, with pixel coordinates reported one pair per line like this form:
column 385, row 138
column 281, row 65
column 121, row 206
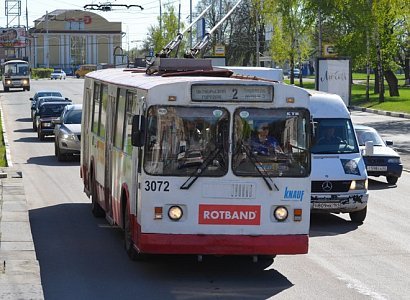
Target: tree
column 160, row 35
column 292, row 32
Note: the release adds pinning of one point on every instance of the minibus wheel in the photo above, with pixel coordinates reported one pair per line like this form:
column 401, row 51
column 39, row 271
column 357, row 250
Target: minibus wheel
column 358, row 216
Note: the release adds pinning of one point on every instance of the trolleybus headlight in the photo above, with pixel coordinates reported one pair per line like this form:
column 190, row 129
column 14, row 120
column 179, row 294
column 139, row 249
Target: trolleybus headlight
column 175, row 213
column 281, row 213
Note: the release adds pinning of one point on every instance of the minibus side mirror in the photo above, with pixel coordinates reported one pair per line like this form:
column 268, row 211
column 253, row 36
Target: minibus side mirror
column 138, row 131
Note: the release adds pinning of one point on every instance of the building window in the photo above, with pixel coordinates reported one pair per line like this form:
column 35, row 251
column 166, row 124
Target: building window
column 78, row 50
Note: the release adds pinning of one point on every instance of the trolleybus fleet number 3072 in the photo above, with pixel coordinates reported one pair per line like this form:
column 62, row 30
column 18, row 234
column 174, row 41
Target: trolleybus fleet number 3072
column 175, row 161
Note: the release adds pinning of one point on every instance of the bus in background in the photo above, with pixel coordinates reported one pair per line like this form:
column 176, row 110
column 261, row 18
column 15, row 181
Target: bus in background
column 171, row 159
column 15, row 74
column 273, row 74
column 339, row 177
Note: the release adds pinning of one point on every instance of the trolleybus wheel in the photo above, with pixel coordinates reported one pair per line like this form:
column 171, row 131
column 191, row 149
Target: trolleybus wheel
column 358, row 216
column 96, row 208
column 133, row 254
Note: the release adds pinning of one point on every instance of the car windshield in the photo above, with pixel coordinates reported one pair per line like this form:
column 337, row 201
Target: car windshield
column 180, row 140
column 53, row 110
column 369, row 135
column 73, row 117
column 334, row 136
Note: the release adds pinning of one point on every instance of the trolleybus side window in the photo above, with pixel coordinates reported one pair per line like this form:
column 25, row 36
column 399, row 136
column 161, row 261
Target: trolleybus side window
column 182, row 140
column 96, row 109
column 282, row 153
column 119, row 120
column 103, row 108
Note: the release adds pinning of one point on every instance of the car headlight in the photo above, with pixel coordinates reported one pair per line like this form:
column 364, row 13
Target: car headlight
column 350, row 166
column 8, row 81
column 25, row 81
column 47, row 124
column 68, row 136
column 359, row 184
column 394, row 160
column 175, row 213
column 280, row 213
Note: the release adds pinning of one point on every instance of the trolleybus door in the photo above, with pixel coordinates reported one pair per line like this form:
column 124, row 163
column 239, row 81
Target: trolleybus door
column 109, row 140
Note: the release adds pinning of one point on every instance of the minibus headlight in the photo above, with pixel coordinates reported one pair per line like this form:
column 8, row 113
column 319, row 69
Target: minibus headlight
column 175, row 213
column 280, row 213
column 359, row 185
column 350, row 166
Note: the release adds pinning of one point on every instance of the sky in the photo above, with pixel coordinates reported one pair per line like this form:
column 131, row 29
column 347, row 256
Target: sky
column 135, row 22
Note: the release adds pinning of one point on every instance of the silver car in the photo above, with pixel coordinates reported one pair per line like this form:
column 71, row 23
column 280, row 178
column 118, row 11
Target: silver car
column 67, row 132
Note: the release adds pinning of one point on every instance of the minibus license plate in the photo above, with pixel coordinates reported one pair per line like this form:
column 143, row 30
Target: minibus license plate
column 326, row 205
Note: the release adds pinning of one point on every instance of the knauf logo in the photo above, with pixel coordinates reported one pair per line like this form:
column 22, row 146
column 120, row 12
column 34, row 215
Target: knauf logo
column 293, row 194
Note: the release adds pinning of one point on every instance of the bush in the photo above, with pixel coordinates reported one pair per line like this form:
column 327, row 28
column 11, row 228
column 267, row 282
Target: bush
column 41, row 73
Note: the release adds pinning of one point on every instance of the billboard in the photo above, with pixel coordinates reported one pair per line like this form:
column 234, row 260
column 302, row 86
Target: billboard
column 13, row 37
column 333, row 75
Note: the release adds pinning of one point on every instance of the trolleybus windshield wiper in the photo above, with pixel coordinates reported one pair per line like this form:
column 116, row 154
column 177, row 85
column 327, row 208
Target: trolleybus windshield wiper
column 199, row 171
column 258, row 166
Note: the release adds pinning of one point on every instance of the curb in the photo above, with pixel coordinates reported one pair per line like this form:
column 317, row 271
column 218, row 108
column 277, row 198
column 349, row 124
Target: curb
column 381, row 112
column 19, row 268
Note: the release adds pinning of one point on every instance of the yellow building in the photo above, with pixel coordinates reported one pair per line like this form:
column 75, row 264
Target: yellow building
column 69, row 38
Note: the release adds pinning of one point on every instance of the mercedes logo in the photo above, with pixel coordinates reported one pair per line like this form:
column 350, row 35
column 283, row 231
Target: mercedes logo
column 327, row 186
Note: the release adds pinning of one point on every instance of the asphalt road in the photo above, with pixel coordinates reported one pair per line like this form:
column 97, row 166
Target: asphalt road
column 83, row 258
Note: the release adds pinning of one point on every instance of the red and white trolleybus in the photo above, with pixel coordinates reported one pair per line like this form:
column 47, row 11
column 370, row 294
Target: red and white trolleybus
column 175, row 161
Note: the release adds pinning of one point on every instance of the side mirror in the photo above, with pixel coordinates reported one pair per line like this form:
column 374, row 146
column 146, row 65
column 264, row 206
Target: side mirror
column 368, row 148
column 389, row 143
column 138, row 131
column 31, row 99
column 56, row 121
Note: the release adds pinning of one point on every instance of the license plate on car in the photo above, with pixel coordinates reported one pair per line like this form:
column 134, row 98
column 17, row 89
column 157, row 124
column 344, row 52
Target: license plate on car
column 319, row 205
column 376, row 168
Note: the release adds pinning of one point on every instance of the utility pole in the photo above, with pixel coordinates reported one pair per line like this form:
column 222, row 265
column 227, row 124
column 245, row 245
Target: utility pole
column 190, row 22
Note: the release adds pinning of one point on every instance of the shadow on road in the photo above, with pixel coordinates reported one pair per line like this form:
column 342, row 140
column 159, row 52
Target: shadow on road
column 326, row 224
column 51, row 160
column 378, row 184
column 83, row 258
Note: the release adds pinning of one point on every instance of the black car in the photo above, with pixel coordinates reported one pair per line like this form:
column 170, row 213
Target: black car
column 39, row 94
column 41, row 100
column 47, row 112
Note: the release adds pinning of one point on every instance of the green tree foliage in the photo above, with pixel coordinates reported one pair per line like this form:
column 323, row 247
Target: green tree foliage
column 167, row 29
column 292, row 31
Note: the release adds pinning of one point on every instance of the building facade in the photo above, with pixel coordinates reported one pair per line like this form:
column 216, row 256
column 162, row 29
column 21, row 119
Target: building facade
column 69, row 38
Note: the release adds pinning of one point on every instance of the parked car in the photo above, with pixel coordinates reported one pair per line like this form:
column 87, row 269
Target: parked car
column 84, row 69
column 42, row 94
column 58, row 74
column 47, row 112
column 67, row 132
column 380, row 159
column 42, row 100
column 296, row 73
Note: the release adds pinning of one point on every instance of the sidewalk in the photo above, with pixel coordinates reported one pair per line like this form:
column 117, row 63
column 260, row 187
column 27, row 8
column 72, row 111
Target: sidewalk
column 19, row 268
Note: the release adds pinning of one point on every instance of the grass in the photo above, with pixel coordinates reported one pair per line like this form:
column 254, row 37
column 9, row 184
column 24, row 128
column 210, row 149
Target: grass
column 393, row 104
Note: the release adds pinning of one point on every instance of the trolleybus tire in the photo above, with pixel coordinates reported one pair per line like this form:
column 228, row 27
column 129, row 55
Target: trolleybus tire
column 96, row 208
column 133, row 254
column 358, row 216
